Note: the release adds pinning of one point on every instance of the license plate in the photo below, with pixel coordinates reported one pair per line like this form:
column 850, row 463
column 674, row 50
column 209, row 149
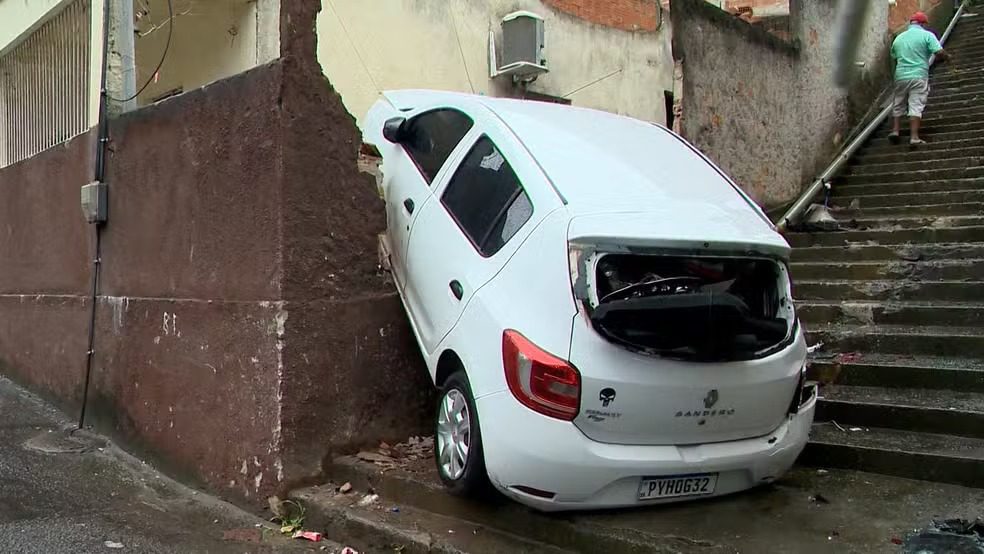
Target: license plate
column 653, row 488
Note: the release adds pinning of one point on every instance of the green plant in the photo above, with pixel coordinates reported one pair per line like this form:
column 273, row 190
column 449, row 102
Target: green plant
column 289, row 515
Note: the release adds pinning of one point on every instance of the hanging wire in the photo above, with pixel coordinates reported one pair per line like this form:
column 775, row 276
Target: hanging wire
column 167, row 46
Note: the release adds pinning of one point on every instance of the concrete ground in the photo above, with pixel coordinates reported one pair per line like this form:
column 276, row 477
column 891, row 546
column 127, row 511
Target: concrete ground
column 59, row 494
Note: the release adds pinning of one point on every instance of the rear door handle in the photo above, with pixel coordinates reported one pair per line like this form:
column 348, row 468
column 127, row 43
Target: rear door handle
column 408, row 204
column 456, row 289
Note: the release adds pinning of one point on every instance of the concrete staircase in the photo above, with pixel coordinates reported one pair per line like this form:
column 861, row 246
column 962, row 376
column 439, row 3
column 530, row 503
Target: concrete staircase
column 897, row 298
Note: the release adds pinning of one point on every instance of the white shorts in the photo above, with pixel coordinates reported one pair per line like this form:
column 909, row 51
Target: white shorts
column 910, row 97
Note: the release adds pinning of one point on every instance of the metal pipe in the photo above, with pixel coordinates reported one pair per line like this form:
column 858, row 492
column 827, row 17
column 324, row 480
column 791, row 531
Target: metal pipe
column 807, row 198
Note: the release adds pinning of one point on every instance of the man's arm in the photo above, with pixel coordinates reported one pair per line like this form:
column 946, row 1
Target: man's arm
column 936, row 49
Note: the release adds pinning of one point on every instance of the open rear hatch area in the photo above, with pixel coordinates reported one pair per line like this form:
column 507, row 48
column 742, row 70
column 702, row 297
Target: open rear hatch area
column 691, row 308
column 682, row 342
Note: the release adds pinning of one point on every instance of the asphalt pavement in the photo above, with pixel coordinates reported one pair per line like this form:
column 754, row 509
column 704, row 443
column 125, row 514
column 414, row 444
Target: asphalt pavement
column 63, row 492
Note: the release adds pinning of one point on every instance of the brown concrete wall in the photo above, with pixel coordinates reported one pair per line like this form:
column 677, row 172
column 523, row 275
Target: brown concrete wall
column 244, row 331
column 44, row 275
column 767, row 110
column 353, row 370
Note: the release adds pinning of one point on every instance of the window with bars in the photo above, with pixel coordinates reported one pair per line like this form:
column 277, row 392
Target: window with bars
column 44, row 85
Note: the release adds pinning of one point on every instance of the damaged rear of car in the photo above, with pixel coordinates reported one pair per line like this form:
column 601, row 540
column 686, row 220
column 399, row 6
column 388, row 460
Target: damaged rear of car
column 699, row 342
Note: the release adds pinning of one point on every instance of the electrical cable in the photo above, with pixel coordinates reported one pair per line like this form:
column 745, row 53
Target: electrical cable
column 160, row 64
column 100, row 177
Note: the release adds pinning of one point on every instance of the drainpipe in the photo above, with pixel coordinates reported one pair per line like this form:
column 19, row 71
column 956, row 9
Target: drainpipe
column 96, row 195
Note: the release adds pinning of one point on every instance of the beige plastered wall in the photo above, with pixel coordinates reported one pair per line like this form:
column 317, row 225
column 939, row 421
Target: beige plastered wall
column 212, row 39
column 368, row 46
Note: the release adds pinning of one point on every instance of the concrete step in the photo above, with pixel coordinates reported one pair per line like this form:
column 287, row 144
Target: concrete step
column 869, row 189
column 828, row 289
column 900, row 339
column 962, row 86
column 954, row 96
column 908, row 166
column 929, row 173
column 942, row 77
column 879, row 146
column 925, row 156
column 881, row 140
column 940, row 125
column 935, row 270
column 902, row 199
column 900, row 236
column 379, row 527
column 896, row 223
column 868, row 312
column 923, row 372
column 955, row 113
column 717, row 526
column 926, row 456
column 416, row 489
column 911, row 210
column 957, row 413
column 903, row 252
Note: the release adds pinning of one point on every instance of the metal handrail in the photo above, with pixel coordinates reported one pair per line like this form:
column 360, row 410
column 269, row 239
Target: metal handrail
column 807, row 197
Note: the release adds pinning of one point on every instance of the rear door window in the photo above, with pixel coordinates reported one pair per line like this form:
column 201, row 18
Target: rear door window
column 486, row 199
column 431, row 137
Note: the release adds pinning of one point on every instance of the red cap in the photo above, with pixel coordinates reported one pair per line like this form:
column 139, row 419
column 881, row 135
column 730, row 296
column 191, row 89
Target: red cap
column 919, row 17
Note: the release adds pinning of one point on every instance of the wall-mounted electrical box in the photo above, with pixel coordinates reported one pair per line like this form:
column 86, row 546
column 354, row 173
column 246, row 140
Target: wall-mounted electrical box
column 523, row 44
column 95, row 200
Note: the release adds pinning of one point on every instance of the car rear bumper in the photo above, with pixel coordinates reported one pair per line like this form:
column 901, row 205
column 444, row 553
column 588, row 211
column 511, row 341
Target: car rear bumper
column 525, row 449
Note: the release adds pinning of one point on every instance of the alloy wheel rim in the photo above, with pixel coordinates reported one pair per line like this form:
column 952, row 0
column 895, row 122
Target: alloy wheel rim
column 453, row 434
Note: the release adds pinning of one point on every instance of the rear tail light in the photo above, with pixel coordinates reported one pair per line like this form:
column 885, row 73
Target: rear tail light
column 539, row 380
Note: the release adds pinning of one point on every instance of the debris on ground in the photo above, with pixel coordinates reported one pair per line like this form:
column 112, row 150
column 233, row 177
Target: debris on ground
column 312, row 536
column 848, row 357
column 819, row 499
column 113, row 544
column 399, row 456
column 838, row 426
column 346, row 488
column 822, row 472
column 249, row 534
column 814, row 348
column 349, row 550
column 818, row 218
column 368, row 499
column 960, row 536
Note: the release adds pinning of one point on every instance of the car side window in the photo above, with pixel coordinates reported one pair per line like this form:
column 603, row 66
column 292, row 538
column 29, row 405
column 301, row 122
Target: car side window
column 486, row 199
column 432, row 136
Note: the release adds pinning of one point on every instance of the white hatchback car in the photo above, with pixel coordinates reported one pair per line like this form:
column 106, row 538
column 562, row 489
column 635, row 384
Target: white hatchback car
column 608, row 317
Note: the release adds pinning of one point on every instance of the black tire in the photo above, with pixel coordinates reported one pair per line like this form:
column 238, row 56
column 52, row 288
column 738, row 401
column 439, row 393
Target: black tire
column 474, row 480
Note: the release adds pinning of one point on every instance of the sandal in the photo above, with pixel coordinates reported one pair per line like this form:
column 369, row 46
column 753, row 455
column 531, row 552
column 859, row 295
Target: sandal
column 893, row 138
column 916, row 142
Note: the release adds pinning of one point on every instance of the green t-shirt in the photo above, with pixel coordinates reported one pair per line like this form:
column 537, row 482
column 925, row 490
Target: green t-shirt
column 911, row 52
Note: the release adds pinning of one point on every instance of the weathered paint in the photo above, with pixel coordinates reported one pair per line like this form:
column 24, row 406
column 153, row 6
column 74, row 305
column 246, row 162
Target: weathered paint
column 365, row 48
column 766, row 110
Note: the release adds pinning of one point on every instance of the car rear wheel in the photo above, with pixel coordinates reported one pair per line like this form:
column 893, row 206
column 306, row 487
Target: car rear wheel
column 458, row 441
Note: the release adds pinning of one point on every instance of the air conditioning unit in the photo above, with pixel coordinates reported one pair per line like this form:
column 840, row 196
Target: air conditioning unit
column 523, row 37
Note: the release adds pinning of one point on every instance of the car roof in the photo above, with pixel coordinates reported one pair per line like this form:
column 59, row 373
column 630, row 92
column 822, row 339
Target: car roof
column 601, row 162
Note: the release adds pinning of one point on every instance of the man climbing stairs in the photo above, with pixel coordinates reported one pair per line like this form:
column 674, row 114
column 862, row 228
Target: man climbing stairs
column 897, row 297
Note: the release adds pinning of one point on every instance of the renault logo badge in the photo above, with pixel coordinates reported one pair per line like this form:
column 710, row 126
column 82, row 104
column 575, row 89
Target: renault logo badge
column 711, row 399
